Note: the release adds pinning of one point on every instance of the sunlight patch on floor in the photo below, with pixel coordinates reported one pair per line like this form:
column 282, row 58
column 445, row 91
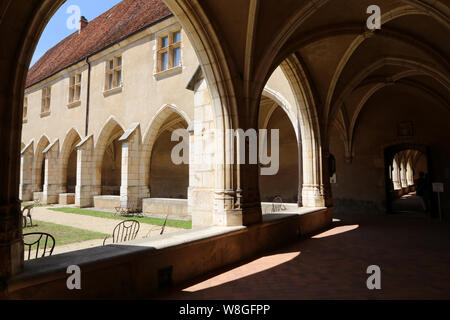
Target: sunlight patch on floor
column 336, row 230
column 256, row 266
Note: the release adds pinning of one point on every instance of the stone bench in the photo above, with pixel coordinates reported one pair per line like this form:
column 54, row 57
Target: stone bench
column 66, row 198
column 38, row 196
column 160, row 207
column 107, row 202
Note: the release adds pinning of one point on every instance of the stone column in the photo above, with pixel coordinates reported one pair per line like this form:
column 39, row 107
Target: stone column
column 130, row 190
column 222, row 191
column 26, row 173
column 396, row 176
column 86, row 187
column 410, row 175
column 52, row 184
column 313, row 193
column 403, row 178
column 202, row 158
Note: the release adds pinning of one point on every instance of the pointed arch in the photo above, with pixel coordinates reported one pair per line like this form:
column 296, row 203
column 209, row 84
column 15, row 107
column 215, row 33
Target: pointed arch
column 151, row 135
column 111, row 131
column 38, row 161
column 71, row 140
column 285, row 105
column 313, row 193
column 412, row 67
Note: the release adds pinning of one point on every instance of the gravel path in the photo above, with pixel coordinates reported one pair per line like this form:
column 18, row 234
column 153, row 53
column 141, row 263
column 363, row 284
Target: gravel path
column 95, row 224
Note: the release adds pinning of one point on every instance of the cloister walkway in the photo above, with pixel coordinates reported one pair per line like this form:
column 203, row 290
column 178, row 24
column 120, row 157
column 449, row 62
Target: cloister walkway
column 412, row 252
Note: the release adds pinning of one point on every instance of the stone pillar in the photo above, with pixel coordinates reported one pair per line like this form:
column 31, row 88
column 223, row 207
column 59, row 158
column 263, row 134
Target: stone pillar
column 313, row 193
column 221, row 191
column 410, row 175
column 403, row 179
column 396, row 176
column 328, row 197
column 130, row 189
column 52, row 183
column 26, row 173
column 202, row 148
column 87, row 186
column 11, row 242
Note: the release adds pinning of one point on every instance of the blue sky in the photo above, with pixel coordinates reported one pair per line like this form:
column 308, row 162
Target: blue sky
column 57, row 29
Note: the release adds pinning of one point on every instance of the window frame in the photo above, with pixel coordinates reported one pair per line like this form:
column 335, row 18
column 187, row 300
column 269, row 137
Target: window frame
column 46, row 100
column 73, row 85
column 25, row 109
column 169, row 50
column 113, row 72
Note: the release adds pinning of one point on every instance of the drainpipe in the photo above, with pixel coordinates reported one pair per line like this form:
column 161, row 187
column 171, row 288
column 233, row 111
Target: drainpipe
column 88, row 96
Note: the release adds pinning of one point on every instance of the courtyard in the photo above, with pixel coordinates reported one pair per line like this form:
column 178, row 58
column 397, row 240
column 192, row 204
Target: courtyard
column 76, row 229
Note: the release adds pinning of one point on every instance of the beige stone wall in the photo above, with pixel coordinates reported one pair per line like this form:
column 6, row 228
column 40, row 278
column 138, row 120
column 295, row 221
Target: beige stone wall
column 167, row 180
column 285, row 182
column 142, row 96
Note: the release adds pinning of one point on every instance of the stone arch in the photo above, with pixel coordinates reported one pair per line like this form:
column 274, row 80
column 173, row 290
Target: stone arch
column 284, row 104
column 220, row 75
column 109, row 135
column 150, row 137
column 359, row 40
column 38, row 163
column 415, row 66
column 68, row 152
column 313, row 187
column 275, row 115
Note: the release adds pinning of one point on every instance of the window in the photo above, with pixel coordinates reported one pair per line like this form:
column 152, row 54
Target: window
column 75, row 88
column 169, row 51
column 113, row 73
column 46, row 95
column 25, row 108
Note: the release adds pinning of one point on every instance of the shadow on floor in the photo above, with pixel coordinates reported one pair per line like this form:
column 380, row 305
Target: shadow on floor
column 413, row 254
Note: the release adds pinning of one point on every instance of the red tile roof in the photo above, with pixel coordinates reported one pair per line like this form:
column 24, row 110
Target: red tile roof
column 124, row 19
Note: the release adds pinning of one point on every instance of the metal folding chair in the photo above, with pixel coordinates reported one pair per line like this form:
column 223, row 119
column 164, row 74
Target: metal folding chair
column 125, row 231
column 42, row 243
column 27, row 215
column 162, row 228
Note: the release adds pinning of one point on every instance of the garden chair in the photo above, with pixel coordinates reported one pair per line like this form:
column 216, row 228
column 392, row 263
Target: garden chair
column 42, row 244
column 27, row 215
column 162, row 228
column 277, row 205
column 125, row 231
column 130, row 209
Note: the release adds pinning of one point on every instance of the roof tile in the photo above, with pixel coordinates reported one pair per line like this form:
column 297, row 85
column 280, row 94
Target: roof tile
column 115, row 24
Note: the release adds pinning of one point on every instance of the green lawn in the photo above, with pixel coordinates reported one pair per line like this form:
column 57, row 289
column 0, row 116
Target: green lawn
column 24, row 204
column 101, row 214
column 64, row 234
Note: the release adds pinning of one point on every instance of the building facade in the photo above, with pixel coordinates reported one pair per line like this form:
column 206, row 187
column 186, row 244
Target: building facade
column 97, row 132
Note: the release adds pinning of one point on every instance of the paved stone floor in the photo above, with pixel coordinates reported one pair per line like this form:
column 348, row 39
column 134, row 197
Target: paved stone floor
column 412, row 252
column 409, row 203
